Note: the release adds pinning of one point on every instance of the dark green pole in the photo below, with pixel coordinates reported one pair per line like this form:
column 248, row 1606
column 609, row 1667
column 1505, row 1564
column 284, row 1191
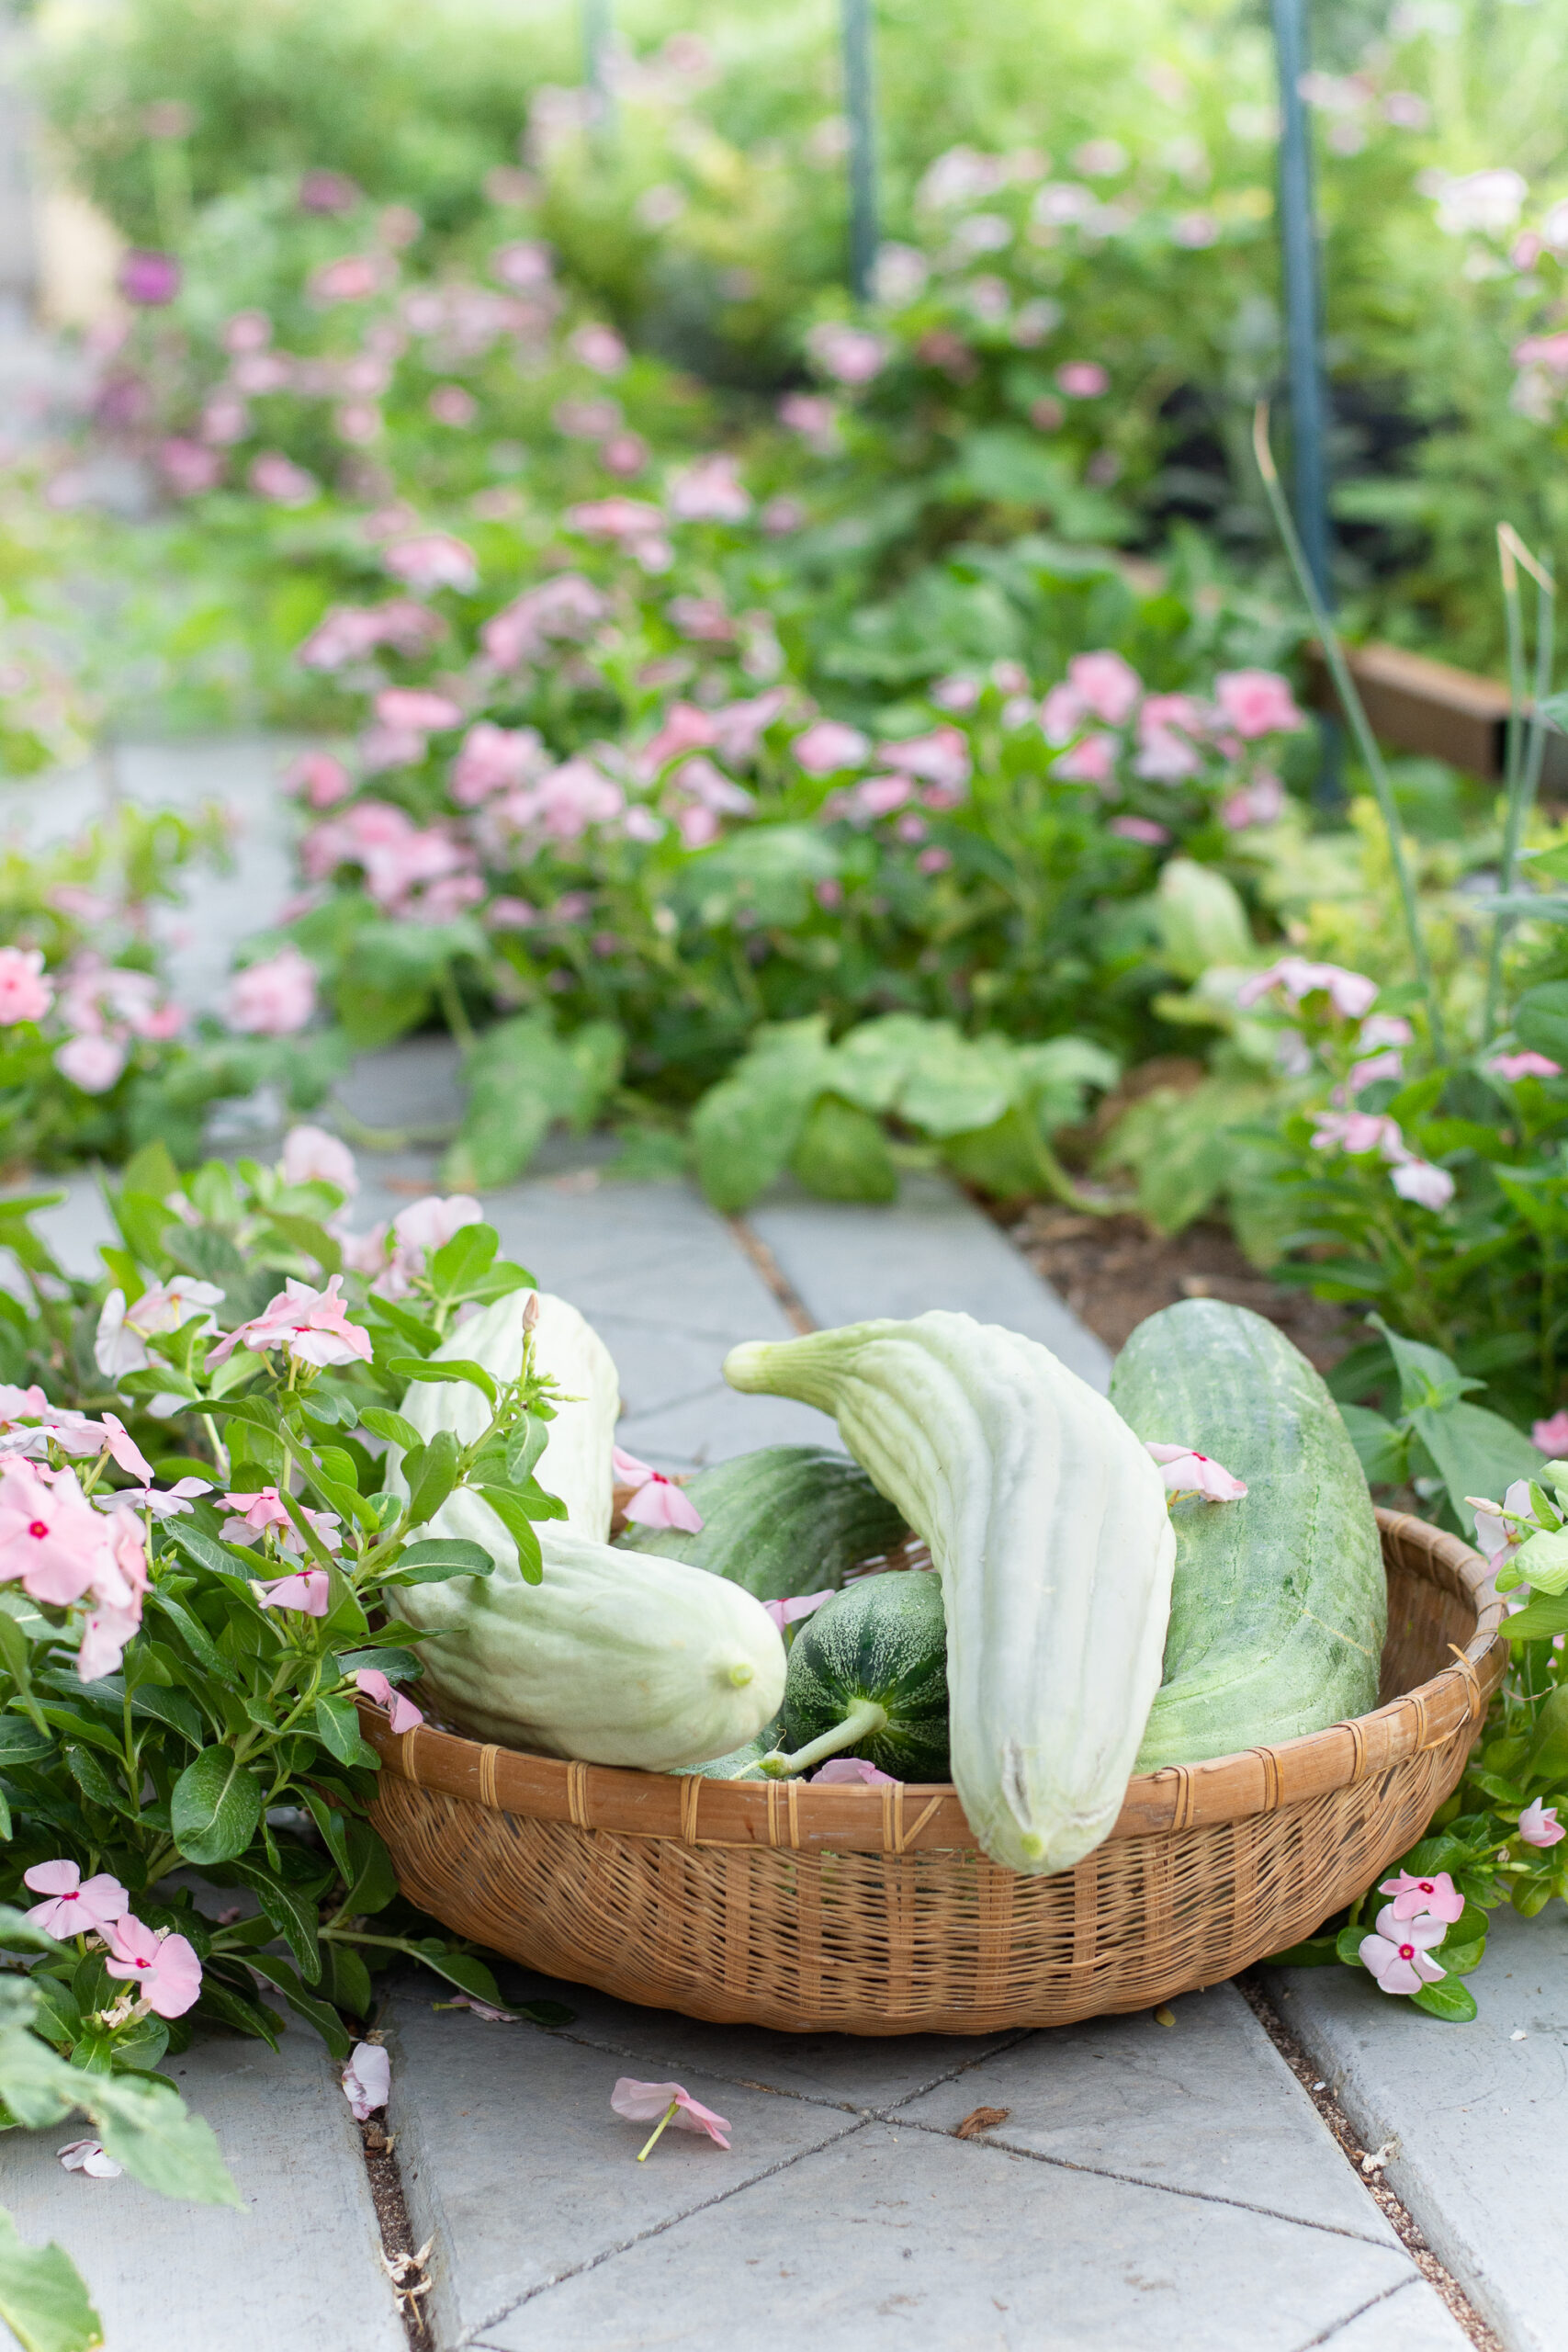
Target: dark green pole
column 861, row 110
column 1303, row 308
column 598, row 23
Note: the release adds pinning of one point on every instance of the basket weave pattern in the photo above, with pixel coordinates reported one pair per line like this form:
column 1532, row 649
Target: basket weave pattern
column 871, row 1911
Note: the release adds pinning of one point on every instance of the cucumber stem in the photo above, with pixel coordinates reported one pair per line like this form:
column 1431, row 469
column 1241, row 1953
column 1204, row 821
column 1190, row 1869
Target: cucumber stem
column 866, row 1717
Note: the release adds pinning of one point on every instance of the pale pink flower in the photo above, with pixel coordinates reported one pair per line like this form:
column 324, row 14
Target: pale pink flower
column 163, row 1502
column 624, row 455
column 121, row 1343
column 77, row 1907
column 22, row 1403
column 1513, row 1066
column 942, row 757
column 709, row 491
column 1107, row 687
column 311, row 1156
column 1062, row 713
column 1398, row 1954
column 254, row 1513
column 1256, row 701
column 1092, row 761
column 1262, row 802
column 1139, row 829
column 1082, row 380
column 434, row 559
column 24, row 993
column 1539, row 1824
column 1421, row 1181
column 1414, row 1897
column 1350, row 993
column 934, row 861
column 495, row 759
column 827, row 745
column 318, row 778
column 105, row 1632
column 1497, row 1537
column 164, row 1968
column 660, row 1503
column 1377, row 1066
column 92, row 1063
column 367, row 2079
column 247, row 331
column 273, row 997
column 401, row 1713
column 187, row 467
column 311, row 1324
column 351, row 279
column 1186, row 1473
column 599, row 347
column 1359, row 1131
column 87, row 2155
column 850, row 355
column 453, row 404
column 52, row 1538
column 430, row 1224
column 1551, row 1436
column 646, row 2102
column 416, row 708
column 308, row 1592
column 524, row 266
column 805, row 1604
column 815, row 417
column 851, row 1771
column 278, row 479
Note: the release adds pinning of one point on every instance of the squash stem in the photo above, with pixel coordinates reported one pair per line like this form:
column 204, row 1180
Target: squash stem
column 866, row 1717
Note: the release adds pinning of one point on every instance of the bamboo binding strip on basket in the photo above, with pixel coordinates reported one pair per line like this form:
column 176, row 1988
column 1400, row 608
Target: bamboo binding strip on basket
column 872, row 1911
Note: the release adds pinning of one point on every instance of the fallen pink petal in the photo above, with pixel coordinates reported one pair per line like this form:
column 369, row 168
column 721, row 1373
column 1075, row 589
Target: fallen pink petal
column 87, row 2155
column 367, row 2079
column 1187, row 1473
column 646, row 2102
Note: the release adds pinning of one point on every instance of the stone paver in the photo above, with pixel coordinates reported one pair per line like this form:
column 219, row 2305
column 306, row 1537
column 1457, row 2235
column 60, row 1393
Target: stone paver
column 297, row 2269
column 1481, row 2119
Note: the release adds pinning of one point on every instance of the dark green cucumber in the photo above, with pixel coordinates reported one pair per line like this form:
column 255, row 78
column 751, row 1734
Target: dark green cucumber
column 789, row 1519
column 868, row 1676
column 1280, row 1604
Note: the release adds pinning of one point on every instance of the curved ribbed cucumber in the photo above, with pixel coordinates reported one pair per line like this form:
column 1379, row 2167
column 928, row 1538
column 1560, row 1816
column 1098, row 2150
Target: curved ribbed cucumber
column 788, row 1519
column 1279, row 1603
column 867, row 1677
column 1047, row 1523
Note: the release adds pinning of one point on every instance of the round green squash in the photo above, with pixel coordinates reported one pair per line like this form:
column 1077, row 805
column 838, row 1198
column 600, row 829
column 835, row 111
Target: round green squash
column 867, row 1677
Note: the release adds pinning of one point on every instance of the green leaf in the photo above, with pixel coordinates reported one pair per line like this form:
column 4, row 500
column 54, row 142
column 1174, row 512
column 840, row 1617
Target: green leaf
column 214, row 1808
column 338, row 1723
column 44, row 2297
column 145, row 2126
column 1201, row 920
column 1315, row 1951
column 450, row 1368
column 304, row 1234
column 1347, row 1944
column 1382, row 1450
column 393, row 1427
column 1474, row 1452
column 409, row 1327
column 1455, row 2004
column 18, row 1933
column 515, row 1517
column 525, row 1446
column 315, row 2011
column 745, row 1128
column 1541, row 1562
column 333, row 1826
column 237, row 2010
column 1427, row 1378
column 432, row 1473
column 843, row 1154
column 22, row 1742
column 461, row 1968
column 206, row 1552
column 463, row 1260
column 372, row 1883
column 522, row 1077
column 434, row 1560
column 1540, row 1020
column 348, row 1980
column 291, row 1908
column 1537, row 1621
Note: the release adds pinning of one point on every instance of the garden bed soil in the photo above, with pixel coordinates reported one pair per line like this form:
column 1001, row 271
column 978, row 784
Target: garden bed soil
column 1111, row 1272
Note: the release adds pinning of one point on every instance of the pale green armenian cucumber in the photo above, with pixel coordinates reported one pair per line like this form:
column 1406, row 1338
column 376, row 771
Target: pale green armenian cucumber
column 1279, row 1603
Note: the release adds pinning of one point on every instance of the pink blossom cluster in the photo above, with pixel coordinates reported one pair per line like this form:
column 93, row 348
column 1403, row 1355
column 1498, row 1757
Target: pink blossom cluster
column 393, row 1255
column 353, row 632
column 1173, row 736
column 160, row 1967
column 26, row 992
column 107, row 1007
column 310, row 1326
column 409, row 869
column 1399, row 1950
column 564, row 609
column 69, row 1556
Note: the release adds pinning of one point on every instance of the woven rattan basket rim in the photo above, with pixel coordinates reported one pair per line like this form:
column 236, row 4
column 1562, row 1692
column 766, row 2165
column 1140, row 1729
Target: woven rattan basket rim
column 926, row 1815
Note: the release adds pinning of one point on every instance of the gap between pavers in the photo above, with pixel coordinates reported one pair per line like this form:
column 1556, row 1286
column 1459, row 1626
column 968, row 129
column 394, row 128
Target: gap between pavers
column 1480, row 2119
column 297, row 2269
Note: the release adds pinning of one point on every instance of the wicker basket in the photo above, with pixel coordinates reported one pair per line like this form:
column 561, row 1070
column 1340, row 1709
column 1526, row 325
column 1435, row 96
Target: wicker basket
column 870, row 1910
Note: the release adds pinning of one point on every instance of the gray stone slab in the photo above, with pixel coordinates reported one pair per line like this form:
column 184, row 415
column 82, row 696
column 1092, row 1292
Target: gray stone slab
column 840, row 2070
column 907, row 2237
column 297, row 2269
column 1413, row 2318
column 1206, row 2105
column 931, row 1248
column 1481, row 2119
column 513, row 2161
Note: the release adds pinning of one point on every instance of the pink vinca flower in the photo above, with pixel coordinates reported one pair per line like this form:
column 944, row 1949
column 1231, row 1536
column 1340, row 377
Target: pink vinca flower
column 417, row 710
column 367, row 2079
column 308, row 1592
column 1107, row 687
column 851, row 1771
column 87, row 2155
column 311, row 1324
column 1421, row 1181
column 401, row 1713
column 1186, row 1473
column 1539, row 1824
column 1513, row 1066
column 1399, row 1952
column 92, row 1063
column 311, row 1156
column 52, row 1538
column 121, row 1344
column 829, row 745
column 646, row 2102
column 77, row 1907
column 318, row 778
column 1414, row 1897
column 657, row 1501
column 1497, row 1536
column 1551, row 1436
column 164, row 1968
column 434, row 559
column 1360, row 1131
column 1350, row 993
column 804, row 1604
column 1256, row 701
column 273, row 997
column 25, row 994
